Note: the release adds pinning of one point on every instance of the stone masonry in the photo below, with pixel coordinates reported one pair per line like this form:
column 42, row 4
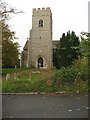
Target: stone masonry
column 39, row 48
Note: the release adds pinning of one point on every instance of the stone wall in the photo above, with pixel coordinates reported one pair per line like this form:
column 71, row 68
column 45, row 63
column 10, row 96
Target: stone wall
column 40, row 42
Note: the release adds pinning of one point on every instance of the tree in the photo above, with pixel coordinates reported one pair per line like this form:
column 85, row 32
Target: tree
column 67, row 50
column 85, row 44
column 5, row 10
column 10, row 55
column 85, row 50
column 10, row 49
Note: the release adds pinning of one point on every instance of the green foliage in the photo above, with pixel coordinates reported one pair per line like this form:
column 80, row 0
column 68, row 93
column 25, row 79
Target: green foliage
column 67, row 51
column 66, row 75
column 82, row 65
column 85, row 44
column 85, row 49
column 44, row 81
column 10, row 56
column 79, row 71
column 74, row 78
column 10, row 49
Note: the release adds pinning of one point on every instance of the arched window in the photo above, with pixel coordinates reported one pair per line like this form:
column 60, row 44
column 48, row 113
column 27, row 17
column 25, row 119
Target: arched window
column 40, row 23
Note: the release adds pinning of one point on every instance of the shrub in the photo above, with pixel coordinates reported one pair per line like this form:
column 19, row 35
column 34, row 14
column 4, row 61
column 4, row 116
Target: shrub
column 79, row 71
column 65, row 75
column 82, row 65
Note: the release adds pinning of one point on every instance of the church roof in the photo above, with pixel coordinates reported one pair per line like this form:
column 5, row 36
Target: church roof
column 26, row 45
column 55, row 43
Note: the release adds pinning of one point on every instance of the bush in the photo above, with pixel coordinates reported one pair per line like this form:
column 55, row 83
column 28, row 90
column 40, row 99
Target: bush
column 82, row 65
column 74, row 75
column 65, row 79
column 66, row 75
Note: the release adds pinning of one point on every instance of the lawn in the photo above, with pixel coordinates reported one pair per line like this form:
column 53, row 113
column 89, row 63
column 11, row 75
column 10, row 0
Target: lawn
column 12, row 70
column 27, row 80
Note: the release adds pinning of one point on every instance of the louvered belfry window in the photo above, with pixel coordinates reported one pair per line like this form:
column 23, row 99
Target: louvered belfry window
column 40, row 23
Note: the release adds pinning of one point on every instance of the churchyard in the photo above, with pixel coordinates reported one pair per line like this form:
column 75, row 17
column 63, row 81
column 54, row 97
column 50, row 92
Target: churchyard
column 21, row 80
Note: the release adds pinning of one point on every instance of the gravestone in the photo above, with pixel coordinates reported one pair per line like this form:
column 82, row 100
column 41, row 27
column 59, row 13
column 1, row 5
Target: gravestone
column 7, row 76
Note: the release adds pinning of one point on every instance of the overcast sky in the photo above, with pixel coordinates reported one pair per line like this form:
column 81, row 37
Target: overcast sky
column 66, row 14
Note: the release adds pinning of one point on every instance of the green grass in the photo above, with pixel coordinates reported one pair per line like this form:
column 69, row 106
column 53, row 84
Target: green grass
column 41, row 81
column 12, row 70
column 26, row 81
column 41, row 86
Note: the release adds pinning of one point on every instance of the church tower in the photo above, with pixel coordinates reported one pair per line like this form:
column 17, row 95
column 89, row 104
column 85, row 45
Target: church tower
column 40, row 41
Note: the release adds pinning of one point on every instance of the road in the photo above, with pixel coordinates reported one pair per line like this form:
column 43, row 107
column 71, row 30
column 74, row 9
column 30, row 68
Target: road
column 45, row 106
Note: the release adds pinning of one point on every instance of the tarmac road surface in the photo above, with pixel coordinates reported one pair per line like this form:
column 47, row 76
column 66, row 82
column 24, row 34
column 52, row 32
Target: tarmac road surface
column 45, row 106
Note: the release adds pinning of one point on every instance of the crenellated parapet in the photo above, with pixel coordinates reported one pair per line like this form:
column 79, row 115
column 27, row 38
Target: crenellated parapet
column 36, row 9
column 42, row 10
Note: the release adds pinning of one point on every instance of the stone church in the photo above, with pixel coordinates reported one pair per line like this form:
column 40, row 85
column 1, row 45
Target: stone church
column 38, row 50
